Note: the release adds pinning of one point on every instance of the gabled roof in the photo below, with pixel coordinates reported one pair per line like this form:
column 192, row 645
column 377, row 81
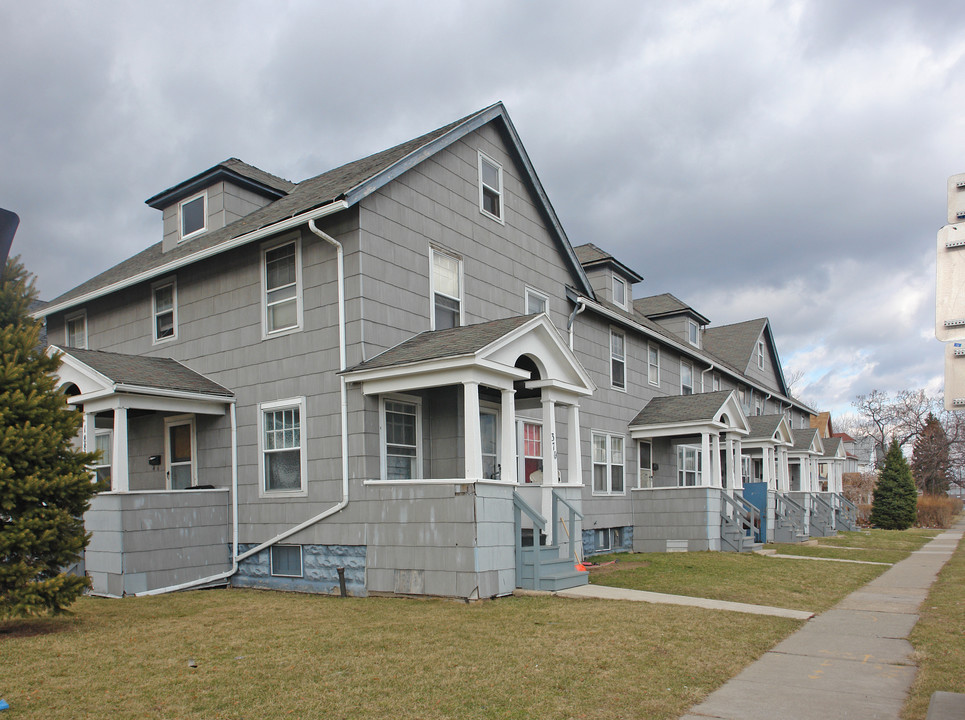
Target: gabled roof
column 736, row 344
column 807, row 440
column 666, row 305
column 590, row 256
column 672, row 409
column 833, row 447
column 233, row 170
column 764, row 426
column 136, row 371
column 329, row 192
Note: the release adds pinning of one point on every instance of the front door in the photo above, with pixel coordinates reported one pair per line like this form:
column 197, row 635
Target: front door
column 179, row 452
column 488, row 434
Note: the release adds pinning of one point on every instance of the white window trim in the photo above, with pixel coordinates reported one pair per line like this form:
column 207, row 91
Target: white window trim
column 264, row 407
column 644, row 474
column 69, row 319
column 760, row 354
column 412, row 400
column 105, row 462
column 530, row 292
column 653, row 346
column 487, row 408
column 299, row 288
column 433, row 250
column 609, row 492
column 693, row 329
column 172, row 281
column 698, row 464
column 499, row 191
column 609, row 539
column 301, row 561
column 613, row 385
column 624, row 303
column 169, row 421
column 521, row 456
column 204, row 226
column 693, row 382
column 715, row 382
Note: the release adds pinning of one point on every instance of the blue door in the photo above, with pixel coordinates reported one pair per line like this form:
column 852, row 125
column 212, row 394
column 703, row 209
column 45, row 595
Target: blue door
column 756, row 495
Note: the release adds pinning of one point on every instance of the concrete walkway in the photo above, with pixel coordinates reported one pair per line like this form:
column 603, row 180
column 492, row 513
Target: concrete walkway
column 853, row 661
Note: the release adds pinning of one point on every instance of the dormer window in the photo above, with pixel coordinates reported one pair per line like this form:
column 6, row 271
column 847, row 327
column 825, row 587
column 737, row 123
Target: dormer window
column 193, row 216
column 490, row 188
column 619, row 292
column 694, row 336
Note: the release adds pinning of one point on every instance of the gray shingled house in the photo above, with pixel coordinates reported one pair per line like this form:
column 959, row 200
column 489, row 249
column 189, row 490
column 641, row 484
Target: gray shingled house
column 403, row 369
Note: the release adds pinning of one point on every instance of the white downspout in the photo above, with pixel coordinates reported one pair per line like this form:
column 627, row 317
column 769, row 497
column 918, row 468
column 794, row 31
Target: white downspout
column 703, row 387
column 580, row 307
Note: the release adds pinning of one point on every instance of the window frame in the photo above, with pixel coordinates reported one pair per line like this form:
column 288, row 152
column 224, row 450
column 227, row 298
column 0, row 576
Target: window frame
column 73, row 317
column 522, row 456
column 266, row 331
column 383, row 449
column 159, row 285
column 690, row 365
column 598, row 534
column 682, row 451
column 610, row 465
column 641, row 468
column 273, row 406
column 619, row 302
column 499, row 192
column 715, row 381
column 494, row 411
column 653, row 368
column 107, row 461
column 542, row 297
column 760, row 354
column 301, row 561
column 203, row 196
column 433, row 251
column 621, row 359
column 693, row 333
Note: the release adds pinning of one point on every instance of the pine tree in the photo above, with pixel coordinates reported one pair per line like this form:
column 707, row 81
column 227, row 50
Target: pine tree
column 930, row 461
column 895, row 502
column 45, row 483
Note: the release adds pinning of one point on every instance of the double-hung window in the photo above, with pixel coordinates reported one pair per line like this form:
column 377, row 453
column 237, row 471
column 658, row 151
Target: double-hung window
column 401, row 434
column 532, row 456
column 490, row 188
column 193, row 216
column 283, row 457
column 618, row 360
column 76, row 330
column 446, row 290
column 694, row 333
column 686, row 378
column 165, row 310
column 619, row 292
column 103, row 443
column 607, row 464
column 653, row 364
column 688, row 465
column 282, row 287
column 716, row 381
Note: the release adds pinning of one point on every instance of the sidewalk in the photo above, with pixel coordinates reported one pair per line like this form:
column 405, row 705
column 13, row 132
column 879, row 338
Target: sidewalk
column 853, row 661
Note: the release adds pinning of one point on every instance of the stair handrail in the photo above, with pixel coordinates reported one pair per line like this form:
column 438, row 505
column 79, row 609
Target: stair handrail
column 793, row 512
column 520, row 506
column 574, row 513
column 753, row 512
column 826, row 511
column 742, row 518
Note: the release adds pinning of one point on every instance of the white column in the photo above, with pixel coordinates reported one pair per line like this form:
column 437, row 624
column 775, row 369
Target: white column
column 736, row 466
column 767, row 462
column 508, row 452
column 550, row 471
column 783, row 480
column 473, row 434
column 719, row 471
column 89, row 426
column 574, row 455
column 119, row 461
column 705, row 461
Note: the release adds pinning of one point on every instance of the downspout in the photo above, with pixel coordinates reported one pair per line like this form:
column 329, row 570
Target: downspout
column 702, row 372
column 580, row 307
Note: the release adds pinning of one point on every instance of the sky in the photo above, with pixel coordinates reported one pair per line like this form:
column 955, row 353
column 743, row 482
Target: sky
column 779, row 159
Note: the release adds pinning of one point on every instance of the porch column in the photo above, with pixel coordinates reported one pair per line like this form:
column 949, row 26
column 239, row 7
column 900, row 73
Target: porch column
column 767, row 464
column 783, row 484
column 574, row 457
column 119, row 461
column 717, row 478
column 508, row 451
column 736, row 466
column 550, row 471
column 473, row 434
column 89, row 427
column 705, row 460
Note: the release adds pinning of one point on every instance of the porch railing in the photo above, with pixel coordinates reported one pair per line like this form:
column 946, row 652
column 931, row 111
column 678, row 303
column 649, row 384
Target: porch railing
column 521, row 507
column 846, row 511
column 822, row 515
column 738, row 525
column 790, row 519
column 569, row 530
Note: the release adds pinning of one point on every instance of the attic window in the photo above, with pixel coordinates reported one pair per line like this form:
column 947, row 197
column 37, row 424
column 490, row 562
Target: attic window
column 619, row 292
column 193, row 216
column 490, row 188
column 694, row 334
column 760, row 354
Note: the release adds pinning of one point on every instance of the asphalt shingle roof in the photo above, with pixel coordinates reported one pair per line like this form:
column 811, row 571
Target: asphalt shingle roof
column 664, row 304
column 763, row 426
column 589, row 255
column 148, row 372
column 831, row 445
column 803, row 437
column 435, row 344
column 700, row 407
column 232, row 166
column 736, row 343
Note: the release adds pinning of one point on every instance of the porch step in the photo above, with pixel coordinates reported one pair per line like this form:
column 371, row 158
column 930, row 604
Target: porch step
column 555, row 572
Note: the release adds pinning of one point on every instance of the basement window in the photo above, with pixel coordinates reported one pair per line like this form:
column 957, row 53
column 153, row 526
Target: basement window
column 286, row 560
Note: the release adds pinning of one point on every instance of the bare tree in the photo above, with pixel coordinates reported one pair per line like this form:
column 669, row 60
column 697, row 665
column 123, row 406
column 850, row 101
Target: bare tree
column 901, row 417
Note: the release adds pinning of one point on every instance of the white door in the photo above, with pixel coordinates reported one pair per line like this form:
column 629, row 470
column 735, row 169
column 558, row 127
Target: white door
column 179, row 452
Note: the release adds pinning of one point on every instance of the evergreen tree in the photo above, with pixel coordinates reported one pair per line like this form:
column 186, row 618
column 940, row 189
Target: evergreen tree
column 895, row 502
column 930, row 461
column 45, row 484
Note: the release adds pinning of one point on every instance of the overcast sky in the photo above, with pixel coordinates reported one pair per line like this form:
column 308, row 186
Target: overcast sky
column 786, row 159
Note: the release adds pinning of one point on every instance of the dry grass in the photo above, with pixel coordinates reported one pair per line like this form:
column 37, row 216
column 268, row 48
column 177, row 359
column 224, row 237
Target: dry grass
column 888, row 546
column 937, row 511
column 278, row 655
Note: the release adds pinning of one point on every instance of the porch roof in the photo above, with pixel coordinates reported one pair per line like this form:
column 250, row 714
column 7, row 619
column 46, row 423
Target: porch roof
column 690, row 414
column 834, row 448
column 807, row 440
column 769, row 428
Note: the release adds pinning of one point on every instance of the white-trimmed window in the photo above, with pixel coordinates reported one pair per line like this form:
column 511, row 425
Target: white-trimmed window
column 619, row 292
column 742, row 392
column 688, row 465
column 645, row 478
column 165, row 301
column 286, row 560
column 489, row 437
column 76, row 330
column 401, row 438
column 490, row 187
column 446, row 289
column 283, row 466
column 536, row 302
column 193, row 215
column 531, row 459
column 601, row 540
column 608, row 469
column 281, row 277
column 618, row 360
column 693, row 333
column 653, row 364
column 104, row 443
column 760, row 354
column 758, row 405
column 686, row 378
column 716, row 381
column 748, row 466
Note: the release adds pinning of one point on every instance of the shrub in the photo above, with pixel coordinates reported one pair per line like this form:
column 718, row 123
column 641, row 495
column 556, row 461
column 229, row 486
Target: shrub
column 937, row 511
